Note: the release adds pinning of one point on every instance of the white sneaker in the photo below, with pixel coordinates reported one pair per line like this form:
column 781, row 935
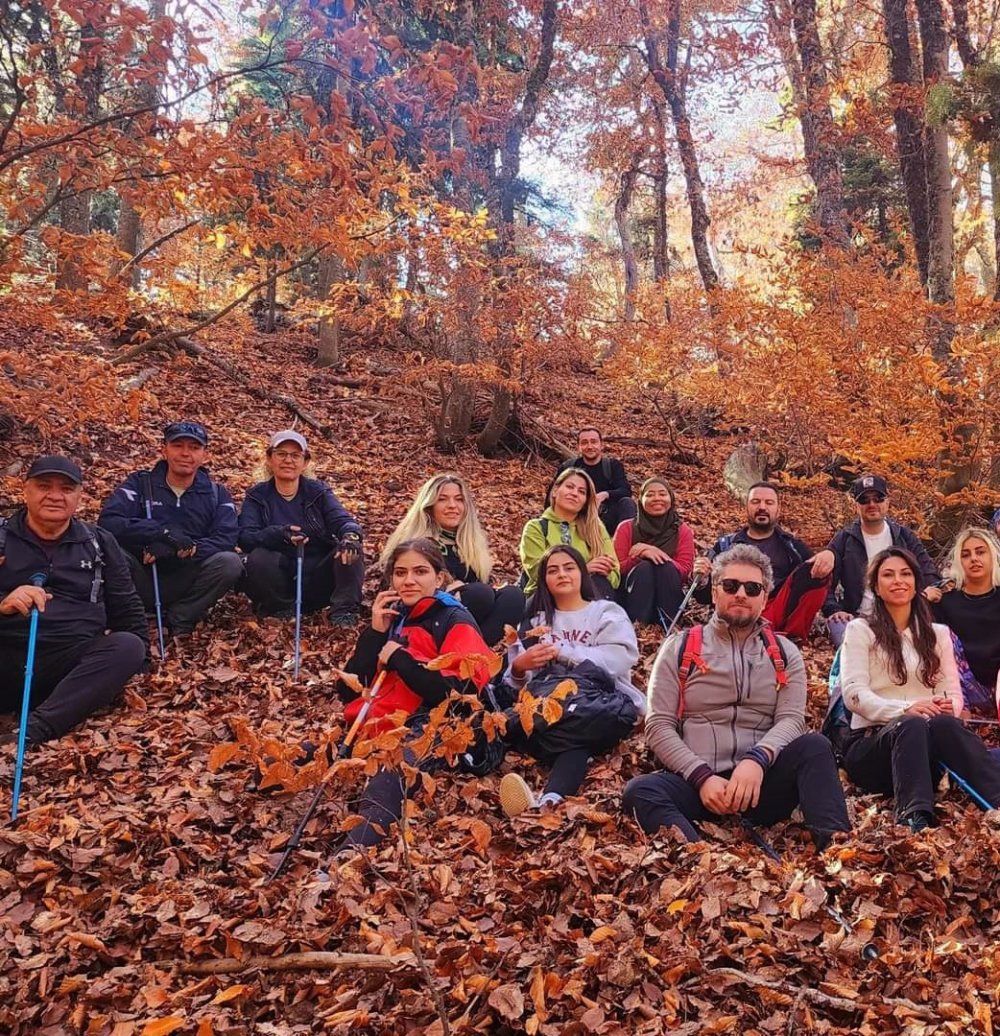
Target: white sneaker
column 516, row 795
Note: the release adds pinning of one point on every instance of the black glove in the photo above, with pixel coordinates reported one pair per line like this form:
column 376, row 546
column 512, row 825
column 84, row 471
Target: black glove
column 350, row 544
column 159, row 551
column 178, row 540
column 276, row 537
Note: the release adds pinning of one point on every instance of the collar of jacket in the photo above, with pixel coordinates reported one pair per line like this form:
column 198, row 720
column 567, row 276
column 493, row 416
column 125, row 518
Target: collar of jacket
column 719, row 625
column 854, row 529
column 312, row 488
column 202, row 480
column 76, row 533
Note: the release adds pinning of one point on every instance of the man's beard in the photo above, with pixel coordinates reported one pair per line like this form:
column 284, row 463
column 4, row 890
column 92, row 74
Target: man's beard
column 738, row 622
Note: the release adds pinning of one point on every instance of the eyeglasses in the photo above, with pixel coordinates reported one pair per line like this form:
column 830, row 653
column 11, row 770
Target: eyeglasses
column 288, row 454
column 871, row 498
column 732, row 586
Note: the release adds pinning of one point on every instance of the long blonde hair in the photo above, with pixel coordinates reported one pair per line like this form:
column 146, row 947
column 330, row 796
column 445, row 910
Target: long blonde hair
column 418, row 522
column 992, row 545
column 588, row 521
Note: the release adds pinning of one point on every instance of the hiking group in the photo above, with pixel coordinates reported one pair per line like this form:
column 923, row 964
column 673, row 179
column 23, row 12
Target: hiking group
column 725, row 715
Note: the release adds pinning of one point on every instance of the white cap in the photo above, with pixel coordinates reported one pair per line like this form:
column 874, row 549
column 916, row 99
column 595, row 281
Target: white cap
column 289, row 435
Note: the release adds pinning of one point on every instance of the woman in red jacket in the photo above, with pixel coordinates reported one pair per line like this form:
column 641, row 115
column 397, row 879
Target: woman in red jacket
column 656, row 553
column 413, row 622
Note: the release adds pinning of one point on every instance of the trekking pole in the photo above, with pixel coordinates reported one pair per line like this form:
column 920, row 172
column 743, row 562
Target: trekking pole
column 299, row 553
column 342, row 753
column 869, row 952
column 147, row 492
column 38, row 579
column 966, row 787
column 695, row 583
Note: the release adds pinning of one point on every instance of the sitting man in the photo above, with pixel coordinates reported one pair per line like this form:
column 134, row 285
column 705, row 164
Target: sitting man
column 177, row 517
column 87, row 591
column 614, row 494
column 727, row 719
column 846, row 556
column 796, row 594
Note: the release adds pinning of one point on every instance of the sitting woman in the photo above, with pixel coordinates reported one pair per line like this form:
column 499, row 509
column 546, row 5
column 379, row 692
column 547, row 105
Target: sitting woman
column 445, row 512
column 656, row 553
column 571, row 519
column 589, row 641
column 972, row 611
column 901, row 685
column 289, row 511
column 413, row 622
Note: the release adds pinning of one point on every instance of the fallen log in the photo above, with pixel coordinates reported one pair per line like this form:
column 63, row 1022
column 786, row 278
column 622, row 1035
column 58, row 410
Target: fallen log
column 307, row 961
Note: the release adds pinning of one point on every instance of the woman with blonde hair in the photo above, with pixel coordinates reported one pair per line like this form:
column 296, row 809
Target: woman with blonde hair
column 972, row 611
column 444, row 511
column 571, row 519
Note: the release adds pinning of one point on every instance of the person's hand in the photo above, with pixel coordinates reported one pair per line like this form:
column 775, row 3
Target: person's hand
column 293, row 534
column 389, row 648
column 533, row 658
column 158, row 551
column 601, row 566
column 22, row 599
column 182, row 543
column 840, row 617
column 933, row 594
column 713, row 795
column 350, row 549
column 601, row 497
column 822, row 564
column 702, row 568
column 454, row 586
column 654, row 554
column 927, row 707
column 383, row 611
column 743, row 791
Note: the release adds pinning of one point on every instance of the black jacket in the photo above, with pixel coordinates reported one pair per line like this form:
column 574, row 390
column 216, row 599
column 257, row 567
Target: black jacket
column 608, row 476
column 89, row 594
column 796, row 550
column 325, row 520
column 851, row 565
column 205, row 512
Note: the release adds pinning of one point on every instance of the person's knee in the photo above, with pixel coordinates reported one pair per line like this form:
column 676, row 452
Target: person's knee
column 129, row 650
column 261, row 563
column 225, row 567
column 912, row 728
column 812, row 747
column 641, row 791
column 944, row 726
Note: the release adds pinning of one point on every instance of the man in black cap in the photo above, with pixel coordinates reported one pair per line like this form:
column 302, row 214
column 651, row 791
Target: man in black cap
column 188, row 529
column 848, row 553
column 87, row 591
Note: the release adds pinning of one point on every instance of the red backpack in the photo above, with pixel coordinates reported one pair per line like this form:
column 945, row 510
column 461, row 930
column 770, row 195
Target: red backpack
column 689, row 659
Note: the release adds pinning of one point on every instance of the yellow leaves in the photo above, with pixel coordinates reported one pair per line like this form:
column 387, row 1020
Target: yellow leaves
column 528, row 706
column 466, row 666
column 223, row 754
column 349, row 680
column 225, row 995
column 164, row 1026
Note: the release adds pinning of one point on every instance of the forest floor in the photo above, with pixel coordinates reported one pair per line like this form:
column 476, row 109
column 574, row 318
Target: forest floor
column 133, row 863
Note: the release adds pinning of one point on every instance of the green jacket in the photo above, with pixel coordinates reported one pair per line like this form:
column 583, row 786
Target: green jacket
column 535, row 542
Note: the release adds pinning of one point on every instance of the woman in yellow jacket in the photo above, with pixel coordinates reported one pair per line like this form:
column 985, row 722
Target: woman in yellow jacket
column 571, row 519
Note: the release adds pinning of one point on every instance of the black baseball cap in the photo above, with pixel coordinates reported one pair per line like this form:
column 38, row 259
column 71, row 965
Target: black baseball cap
column 869, row 484
column 185, row 430
column 55, row 465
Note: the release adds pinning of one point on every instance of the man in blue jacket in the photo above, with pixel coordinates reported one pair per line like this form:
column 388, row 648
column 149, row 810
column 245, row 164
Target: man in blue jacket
column 848, row 553
column 92, row 634
column 190, row 532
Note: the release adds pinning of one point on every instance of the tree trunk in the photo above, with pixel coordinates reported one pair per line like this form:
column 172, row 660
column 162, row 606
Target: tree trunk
column 661, row 234
column 907, row 118
column 673, row 84
column 994, row 165
column 622, row 203
column 128, row 239
column 496, row 424
column 821, row 152
column 328, row 329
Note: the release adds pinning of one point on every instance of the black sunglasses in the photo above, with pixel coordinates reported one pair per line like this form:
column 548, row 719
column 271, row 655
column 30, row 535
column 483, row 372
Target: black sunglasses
column 871, row 498
column 732, row 586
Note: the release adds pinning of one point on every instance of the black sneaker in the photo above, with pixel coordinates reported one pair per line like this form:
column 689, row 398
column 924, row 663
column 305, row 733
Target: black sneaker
column 919, row 820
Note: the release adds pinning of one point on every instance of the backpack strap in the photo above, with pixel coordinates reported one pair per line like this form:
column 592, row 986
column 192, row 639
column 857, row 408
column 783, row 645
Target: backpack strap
column 725, row 542
column 543, row 524
column 689, row 661
column 98, row 580
column 776, row 653
column 606, row 468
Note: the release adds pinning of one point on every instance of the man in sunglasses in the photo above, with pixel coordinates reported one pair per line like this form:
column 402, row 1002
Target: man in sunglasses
column 797, row 594
column 729, row 724
column 847, row 555
column 189, row 529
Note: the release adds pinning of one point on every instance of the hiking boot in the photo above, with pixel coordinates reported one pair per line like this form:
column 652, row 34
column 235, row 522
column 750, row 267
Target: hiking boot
column 516, row 795
column 343, row 619
column 918, row 820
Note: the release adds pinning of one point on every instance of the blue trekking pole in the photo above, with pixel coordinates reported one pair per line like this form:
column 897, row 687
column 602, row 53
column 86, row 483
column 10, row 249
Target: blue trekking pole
column 38, row 579
column 966, row 787
column 299, row 552
column 147, row 492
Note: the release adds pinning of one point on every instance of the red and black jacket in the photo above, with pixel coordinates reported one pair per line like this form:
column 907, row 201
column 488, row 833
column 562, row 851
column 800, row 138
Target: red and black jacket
column 434, row 626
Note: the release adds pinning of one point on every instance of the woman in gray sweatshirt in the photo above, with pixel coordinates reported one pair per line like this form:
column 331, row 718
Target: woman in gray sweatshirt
column 574, row 636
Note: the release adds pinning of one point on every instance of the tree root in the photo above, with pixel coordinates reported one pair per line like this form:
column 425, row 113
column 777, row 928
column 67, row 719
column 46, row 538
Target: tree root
column 309, row 961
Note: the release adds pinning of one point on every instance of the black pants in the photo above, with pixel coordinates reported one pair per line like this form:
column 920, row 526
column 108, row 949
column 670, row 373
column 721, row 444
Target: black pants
column 899, row 759
column 804, row 774
column 613, row 512
column 493, row 609
column 568, row 770
column 188, row 588
column 70, row 680
column 270, row 582
column 651, row 590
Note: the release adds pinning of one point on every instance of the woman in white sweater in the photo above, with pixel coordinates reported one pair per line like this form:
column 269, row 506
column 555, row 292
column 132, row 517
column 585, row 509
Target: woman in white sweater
column 576, row 636
column 901, row 684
